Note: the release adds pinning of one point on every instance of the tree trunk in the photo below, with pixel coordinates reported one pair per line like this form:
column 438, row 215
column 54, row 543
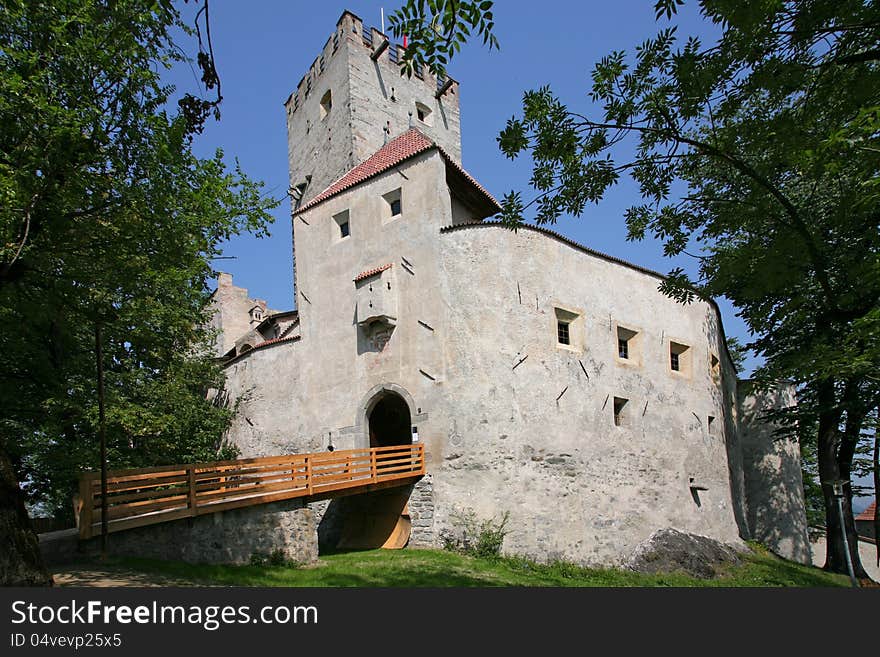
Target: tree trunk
column 829, row 470
column 856, row 413
column 877, row 490
column 21, row 563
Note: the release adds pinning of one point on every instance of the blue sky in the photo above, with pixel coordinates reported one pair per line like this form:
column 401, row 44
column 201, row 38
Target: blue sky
column 263, row 49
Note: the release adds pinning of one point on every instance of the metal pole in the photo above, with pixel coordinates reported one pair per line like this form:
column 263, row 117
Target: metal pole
column 849, row 565
column 99, row 357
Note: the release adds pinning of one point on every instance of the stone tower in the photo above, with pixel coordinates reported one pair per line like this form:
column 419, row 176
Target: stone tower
column 353, row 99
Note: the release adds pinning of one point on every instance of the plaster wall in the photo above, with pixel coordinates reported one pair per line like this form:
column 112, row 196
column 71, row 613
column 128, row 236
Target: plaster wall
column 538, row 439
column 773, row 478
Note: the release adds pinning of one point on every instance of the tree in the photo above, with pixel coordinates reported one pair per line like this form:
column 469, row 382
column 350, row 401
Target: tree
column 108, row 220
column 761, row 150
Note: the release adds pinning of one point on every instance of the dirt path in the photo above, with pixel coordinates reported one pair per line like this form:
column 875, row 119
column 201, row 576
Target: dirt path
column 98, row 575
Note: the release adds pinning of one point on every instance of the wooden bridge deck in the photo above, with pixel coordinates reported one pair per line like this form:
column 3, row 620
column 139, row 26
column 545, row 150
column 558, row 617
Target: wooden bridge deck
column 147, row 496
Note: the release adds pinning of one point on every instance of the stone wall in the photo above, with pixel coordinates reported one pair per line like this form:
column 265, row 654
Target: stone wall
column 531, row 421
column 231, row 307
column 367, row 97
column 226, row 537
column 421, row 511
column 774, row 484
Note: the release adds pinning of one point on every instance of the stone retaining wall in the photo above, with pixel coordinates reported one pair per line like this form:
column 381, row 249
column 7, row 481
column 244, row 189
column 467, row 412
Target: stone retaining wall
column 226, row 537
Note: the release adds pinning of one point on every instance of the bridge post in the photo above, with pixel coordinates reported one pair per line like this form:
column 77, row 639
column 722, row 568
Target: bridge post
column 309, row 475
column 191, row 501
column 374, row 474
column 87, row 503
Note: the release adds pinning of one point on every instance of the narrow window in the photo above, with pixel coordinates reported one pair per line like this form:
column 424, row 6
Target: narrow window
column 569, row 329
column 393, row 204
column 343, row 225
column 423, row 112
column 619, row 411
column 710, row 424
column 715, row 367
column 326, row 104
column 680, row 358
column 627, row 345
column 562, row 334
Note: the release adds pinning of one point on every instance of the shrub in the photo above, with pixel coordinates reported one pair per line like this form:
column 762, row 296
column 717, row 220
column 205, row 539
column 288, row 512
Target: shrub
column 475, row 537
column 274, row 558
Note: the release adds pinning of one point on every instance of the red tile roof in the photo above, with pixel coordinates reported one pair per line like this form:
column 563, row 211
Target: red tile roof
column 398, row 150
column 867, row 514
column 371, row 272
column 261, row 345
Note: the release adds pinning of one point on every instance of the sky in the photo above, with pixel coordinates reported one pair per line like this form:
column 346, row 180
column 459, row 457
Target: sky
column 262, row 49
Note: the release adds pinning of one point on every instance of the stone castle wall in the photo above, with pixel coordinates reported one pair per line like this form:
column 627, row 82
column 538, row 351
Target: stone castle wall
column 774, row 484
column 226, row 537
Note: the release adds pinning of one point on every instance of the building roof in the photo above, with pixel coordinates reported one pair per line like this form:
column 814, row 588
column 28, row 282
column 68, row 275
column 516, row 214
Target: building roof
column 229, row 359
column 395, row 152
column 867, row 514
column 372, row 272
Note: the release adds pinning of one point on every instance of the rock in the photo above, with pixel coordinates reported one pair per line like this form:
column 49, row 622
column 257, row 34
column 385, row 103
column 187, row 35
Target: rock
column 669, row 550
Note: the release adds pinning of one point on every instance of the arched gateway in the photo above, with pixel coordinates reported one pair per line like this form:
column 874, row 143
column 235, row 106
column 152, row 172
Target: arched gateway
column 389, row 420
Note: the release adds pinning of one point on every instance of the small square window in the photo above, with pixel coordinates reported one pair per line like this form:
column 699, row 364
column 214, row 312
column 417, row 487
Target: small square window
column 569, row 329
column 628, row 345
column 393, row 203
column 423, row 112
column 680, row 358
column 562, row 334
column 343, row 225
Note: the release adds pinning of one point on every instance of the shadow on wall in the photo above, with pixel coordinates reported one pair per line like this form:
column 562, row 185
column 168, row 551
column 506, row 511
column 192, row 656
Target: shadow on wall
column 772, row 471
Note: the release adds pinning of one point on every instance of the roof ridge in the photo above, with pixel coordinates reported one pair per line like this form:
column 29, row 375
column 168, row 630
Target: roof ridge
column 362, row 171
column 405, row 146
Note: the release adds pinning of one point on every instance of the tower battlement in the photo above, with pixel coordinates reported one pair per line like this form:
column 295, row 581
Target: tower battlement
column 353, row 99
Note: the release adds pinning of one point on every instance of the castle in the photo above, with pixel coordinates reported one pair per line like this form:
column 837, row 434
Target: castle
column 546, row 380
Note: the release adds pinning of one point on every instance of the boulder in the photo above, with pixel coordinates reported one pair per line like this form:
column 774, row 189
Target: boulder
column 669, row 550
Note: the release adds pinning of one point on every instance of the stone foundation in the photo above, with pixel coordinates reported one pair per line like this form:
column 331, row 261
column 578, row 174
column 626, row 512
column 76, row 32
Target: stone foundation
column 226, row 537
column 421, row 511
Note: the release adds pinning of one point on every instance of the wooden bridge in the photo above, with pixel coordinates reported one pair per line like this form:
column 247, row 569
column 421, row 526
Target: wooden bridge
column 147, row 496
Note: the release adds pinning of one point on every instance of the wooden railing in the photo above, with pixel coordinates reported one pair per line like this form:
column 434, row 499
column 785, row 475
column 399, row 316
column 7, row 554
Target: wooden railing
column 151, row 495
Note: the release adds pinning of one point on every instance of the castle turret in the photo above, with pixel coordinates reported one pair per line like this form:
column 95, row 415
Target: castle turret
column 353, row 100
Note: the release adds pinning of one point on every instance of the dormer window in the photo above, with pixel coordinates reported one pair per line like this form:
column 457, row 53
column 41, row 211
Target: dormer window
column 256, row 314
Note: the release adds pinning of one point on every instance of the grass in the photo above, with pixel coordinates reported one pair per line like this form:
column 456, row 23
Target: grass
column 437, row 568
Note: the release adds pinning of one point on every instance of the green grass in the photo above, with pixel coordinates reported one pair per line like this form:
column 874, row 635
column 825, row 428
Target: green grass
column 437, row 568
